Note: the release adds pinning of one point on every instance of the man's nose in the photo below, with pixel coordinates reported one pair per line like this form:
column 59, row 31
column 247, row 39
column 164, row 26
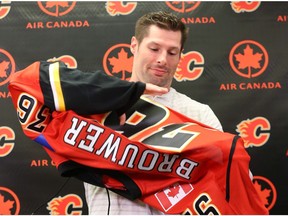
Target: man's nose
column 162, row 58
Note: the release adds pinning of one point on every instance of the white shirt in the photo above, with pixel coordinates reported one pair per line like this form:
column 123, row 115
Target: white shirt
column 97, row 198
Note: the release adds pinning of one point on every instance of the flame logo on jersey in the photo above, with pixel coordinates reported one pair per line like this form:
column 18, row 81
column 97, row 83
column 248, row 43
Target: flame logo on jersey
column 7, row 66
column 7, row 139
column 254, row 132
column 60, row 205
column 4, row 10
column 245, row 6
column 184, row 72
column 119, row 8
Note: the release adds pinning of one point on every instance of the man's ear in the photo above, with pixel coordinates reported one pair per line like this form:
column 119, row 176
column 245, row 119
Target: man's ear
column 133, row 44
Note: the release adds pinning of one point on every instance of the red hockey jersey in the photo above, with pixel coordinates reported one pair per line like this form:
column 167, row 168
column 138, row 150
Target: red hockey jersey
column 167, row 160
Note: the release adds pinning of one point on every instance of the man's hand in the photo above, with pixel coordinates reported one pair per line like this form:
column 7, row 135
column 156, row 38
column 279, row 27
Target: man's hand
column 154, row 90
column 122, row 119
column 54, row 59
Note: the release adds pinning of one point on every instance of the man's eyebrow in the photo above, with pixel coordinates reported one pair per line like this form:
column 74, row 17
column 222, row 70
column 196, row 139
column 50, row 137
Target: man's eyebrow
column 155, row 43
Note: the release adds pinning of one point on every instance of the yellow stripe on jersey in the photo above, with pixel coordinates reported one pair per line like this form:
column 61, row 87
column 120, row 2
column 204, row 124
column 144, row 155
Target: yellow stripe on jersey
column 56, row 86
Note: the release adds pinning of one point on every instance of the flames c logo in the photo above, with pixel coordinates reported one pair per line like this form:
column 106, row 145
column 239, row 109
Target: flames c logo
column 254, row 132
column 7, row 139
column 183, row 6
column 119, row 8
column 248, row 58
column 9, row 202
column 184, row 72
column 245, row 6
column 61, row 205
column 7, row 66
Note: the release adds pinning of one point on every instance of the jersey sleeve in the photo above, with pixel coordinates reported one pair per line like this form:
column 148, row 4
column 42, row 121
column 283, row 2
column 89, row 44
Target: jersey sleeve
column 61, row 88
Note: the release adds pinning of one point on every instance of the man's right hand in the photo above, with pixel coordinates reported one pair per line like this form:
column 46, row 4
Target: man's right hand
column 152, row 89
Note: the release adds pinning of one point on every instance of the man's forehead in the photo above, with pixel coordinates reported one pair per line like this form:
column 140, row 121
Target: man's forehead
column 156, row 33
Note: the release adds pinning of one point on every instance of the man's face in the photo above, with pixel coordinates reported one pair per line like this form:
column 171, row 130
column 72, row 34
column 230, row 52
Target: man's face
column 157, row 57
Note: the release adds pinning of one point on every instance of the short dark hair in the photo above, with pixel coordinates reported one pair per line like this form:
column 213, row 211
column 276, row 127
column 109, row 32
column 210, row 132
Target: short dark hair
column 163, row 20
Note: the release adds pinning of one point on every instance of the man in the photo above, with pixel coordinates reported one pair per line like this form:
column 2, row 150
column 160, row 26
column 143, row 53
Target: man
column 157, row 45
column 192, row 169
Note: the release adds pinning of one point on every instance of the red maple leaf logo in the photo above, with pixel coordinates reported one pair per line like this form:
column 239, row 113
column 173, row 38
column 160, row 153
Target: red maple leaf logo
column 3, row 67
column 56, row 8
column 264, row 194
column 183, row 3
column 57, row 4
column 5, row 206
column 122, row 63
column 248, row 60
column 173, row 191
column 183, row 6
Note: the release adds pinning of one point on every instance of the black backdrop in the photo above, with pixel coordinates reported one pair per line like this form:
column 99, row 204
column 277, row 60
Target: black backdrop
column 235, row 60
